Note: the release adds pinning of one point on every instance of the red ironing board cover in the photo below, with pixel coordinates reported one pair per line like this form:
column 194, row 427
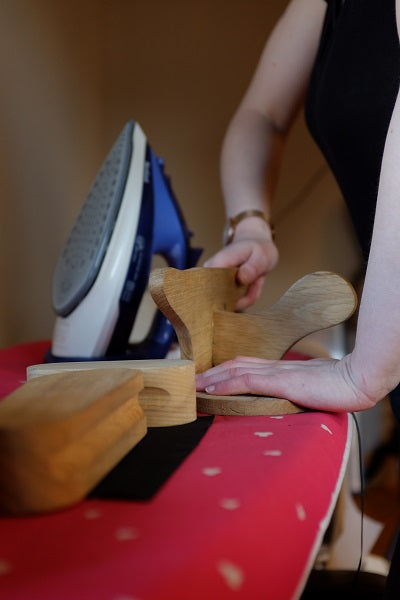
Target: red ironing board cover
column 243, row 517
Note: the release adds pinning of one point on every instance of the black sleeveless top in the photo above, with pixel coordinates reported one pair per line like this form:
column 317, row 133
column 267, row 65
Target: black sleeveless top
column 351, row 96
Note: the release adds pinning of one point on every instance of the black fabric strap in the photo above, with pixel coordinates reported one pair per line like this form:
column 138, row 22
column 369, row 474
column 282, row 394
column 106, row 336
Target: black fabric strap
column 146, row 468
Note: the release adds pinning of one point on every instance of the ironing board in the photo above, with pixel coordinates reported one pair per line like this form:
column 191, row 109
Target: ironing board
column 243, row 517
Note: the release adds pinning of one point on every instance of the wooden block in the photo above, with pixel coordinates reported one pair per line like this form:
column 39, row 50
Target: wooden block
column 60, row 434
column 189, row 300
column 169, row 393
column 316, row 301
column 248, row 406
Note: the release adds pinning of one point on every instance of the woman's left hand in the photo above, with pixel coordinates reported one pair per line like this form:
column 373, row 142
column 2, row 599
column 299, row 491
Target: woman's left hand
column 322, row 384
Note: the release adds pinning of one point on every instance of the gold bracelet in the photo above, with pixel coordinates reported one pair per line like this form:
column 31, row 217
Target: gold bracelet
column 232, row 223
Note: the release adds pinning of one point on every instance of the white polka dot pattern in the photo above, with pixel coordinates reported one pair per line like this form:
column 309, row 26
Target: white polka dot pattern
column 221, row 525
column 124, row 534
column 230, row 503
column 272, row 452
column 5, row 567
column 212, row 471
column 301, row 513
column 326, row 428
column 92, row 514
column 232, row 574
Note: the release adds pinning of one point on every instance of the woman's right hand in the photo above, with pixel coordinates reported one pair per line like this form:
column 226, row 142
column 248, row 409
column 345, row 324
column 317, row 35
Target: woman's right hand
column 254, row 257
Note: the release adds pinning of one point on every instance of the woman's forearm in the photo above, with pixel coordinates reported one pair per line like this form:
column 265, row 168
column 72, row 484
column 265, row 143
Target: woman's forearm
column 253, row 144
column 375, row 360
column 252, row 147
column 250, row 162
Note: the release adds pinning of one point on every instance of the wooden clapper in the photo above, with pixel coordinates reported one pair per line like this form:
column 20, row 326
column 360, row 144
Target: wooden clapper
column 200, row 305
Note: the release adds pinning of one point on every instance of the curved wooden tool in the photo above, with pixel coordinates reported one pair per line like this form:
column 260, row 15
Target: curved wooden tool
column 200, row 303
column 316, row 301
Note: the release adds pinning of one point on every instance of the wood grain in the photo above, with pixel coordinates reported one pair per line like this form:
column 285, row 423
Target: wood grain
column 200, row 305
column 169, row 393
column 248, row 406
column 316, row 301
column 60, row 434
column 189, row 300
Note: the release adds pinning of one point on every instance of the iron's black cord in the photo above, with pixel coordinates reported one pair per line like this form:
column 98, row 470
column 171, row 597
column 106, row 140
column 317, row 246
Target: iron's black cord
column 362, row 499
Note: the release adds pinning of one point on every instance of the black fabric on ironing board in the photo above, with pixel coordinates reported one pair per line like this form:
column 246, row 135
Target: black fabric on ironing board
column 147, row 466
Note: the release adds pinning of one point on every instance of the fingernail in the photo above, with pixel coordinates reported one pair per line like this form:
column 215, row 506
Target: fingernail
column 210, row 389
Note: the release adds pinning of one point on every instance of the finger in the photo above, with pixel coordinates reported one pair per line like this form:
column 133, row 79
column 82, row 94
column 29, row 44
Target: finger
column 242, row 361
column 235, row 366
column 261, row 259
column 247, row 383
column 253, row 293
column 231, row 256
column 231, row 370
column 247, row 366
column 230, row 366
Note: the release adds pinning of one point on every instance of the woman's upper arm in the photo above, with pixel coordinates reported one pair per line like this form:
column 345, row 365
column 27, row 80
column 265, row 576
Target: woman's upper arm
column 282, row 74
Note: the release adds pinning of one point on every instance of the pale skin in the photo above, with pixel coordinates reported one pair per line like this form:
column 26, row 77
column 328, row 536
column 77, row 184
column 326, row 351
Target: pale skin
column 363, row 377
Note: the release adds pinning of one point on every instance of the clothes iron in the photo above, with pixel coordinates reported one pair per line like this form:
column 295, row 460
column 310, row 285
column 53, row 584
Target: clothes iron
column 129, row 215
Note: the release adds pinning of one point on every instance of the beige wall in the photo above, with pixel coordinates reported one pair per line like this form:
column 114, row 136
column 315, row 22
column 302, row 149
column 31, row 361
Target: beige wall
column 51, row 132
column 74, row 72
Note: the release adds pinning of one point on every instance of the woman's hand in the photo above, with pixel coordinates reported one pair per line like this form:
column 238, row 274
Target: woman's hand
column 254, row 257
column 322, row 384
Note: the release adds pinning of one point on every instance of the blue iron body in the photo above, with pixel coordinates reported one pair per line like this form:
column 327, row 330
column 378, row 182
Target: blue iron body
column 130, row 215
